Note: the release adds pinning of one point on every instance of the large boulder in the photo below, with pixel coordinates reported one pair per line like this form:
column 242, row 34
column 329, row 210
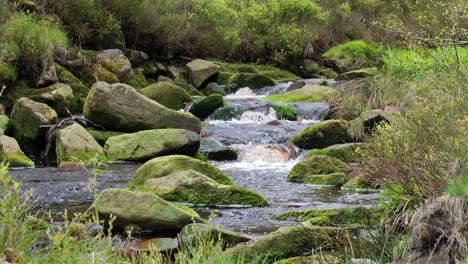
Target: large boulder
column 145, row 210
column 333, row 179
column 10, row 152
column 206, row 106
column 26, row 120
column 74, row 143
column 191, row 234
column 148, row 144
column 120, row 107
column 163, row 166
column 310, row 93
column 201, row 71
column 315, row 165
column 116, row 62
column 80, row 91
column 344, row 152
column 322, row 135
column 58, row 96
column 196, row 188
column 101, row 136
column 170, row 95
column 289, row 241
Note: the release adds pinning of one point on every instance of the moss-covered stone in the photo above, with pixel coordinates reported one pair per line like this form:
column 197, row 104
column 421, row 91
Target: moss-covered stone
column 191, row 89
column 227, row 113
column 286, row 242
column 213, row 88
column 224, row 77
column 10, row 153
column 206, row 106
column 346, row 217
column 145, row 210
column 115, row 61
column 315, row 165
column 58, row 96
column 138, row 79
column 101, row 136
column 322, row 135
column 285, row 112
column 80, row 91
column 353, row 55
column 200, row 156
column 93, row 73
column 163, row 166
column 191, row 235
column 119, row 107
column 309, row 93
column 26, row 120
column 356, row 74
column 170, row 95
column 251, row 80
column 196, row 188
column 201, row 72
column 148, row 144
column 359, row 183
column 344, row 152
column 74, row 143
column 4, row 124
column 333, row 179
column 272, row 72
column 222, row 154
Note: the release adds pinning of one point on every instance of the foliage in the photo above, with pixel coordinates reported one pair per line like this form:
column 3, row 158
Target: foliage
column 30, row 41
column 354, row 55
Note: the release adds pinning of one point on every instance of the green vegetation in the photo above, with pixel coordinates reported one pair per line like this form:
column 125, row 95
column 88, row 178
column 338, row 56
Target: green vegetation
column 309, row 93
column 285, row 112
column 353, row 55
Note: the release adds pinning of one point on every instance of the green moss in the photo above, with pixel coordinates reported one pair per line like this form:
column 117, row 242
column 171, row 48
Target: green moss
column 328, row 73
column 187, row 209
column 343, row 152
column 206, row 106
column 80, row 91
column 251, row 80
column 138, row 80
column 4, row 124
column 285, row 112
column 7, row 73
column 78, row 156
column 15, row 159
column 272, row 72
column 356, row 74
column 359, row 183
column 315, row 165
column 359, row 217
column 354, row 55
column 200, row 156
column 101, row 136
column 309, row 93
column 322, row 135
column 170, row 95
column 333, row 179
column 95, row 72
column 223, row 78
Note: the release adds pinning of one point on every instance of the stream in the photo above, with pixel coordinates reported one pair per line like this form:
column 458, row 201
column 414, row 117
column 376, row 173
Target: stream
column 265, row 159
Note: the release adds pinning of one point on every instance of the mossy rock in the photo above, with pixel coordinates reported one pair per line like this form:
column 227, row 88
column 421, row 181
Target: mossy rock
column 285, row 112
column 74, row 143
column 93, row 73
column 4, row 124
column 322, row 135
column 360, row 217
column 138, row 79
column 333, row 179
column 222, row 154
column 201, row 72
column 170, row 95
column 58, row 96
column 193, row 234
column 191, row 89
column 224, row 77
column 200, row 156
column 270, row 71
column 252, row 80
column 227, row 113
column 356, row 74
column 148, row 144
column 307, row 94
column 206, row 106
column 213, row 88
column 11, row 154
column 115, row 61
column 344, row 152
column 26, row 120
column 353, row 55
column 315, row 165
column 359, row 183
column 80, row 91
column 145, row 210
column 163, row 166
column 196, row 188
column 101, row 136
column 286, row 242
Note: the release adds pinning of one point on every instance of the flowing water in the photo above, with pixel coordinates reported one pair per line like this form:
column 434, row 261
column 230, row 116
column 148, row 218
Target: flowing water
column 265, row 159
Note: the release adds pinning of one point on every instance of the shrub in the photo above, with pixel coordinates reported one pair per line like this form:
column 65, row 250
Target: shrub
column 354, row 55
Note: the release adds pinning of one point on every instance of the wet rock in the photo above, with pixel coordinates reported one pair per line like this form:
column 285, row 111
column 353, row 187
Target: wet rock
column 145, row 210
column 163, row 166
column 333, row 179
column 315, row 165
column 201, row 71
column 191, row 234
column 170, row 95
column 74, row 143
column 206, row 106
column 226, row 113
column 59, row 97
column 148, row 144
column 136, row 57
column 296, row 85
column 322, row 135
column 222, row 154
column 356, row 74
column 80, row 91
column 286, row 242
column 116, row 62
column 4, row 124
column 309, row 93
column 251, row 80
column 11, row 153
column 285, row 112
column 119, row 107
column 72, row 166
column 26, row 120
column 274, row 123
column 344, row 152
column 196, row 188
column 213, row 88
column 101, row 136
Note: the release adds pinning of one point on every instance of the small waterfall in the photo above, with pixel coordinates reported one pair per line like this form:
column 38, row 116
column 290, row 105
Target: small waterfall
column 273, row 153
